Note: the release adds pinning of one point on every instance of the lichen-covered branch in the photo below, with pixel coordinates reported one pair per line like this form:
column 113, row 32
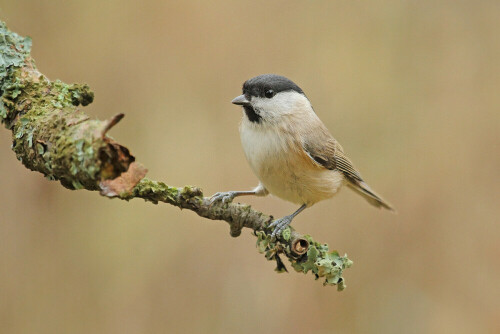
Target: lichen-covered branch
column 53, row 136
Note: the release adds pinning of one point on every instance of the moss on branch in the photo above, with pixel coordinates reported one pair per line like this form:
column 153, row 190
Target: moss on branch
column 51, row 135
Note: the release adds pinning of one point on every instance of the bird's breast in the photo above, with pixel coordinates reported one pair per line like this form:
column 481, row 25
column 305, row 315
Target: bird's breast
column 263, row 149
column 284, row 169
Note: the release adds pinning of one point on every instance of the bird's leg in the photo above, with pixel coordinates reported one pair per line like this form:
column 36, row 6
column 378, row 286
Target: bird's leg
column 280, row 224
column 228, row 196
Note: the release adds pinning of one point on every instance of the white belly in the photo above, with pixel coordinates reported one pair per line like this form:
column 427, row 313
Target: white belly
column 284, row 171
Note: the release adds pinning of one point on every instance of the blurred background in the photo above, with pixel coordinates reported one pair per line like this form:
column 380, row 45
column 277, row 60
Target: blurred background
column 410, row 89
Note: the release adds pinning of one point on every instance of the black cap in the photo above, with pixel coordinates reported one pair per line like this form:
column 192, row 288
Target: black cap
column 260, row 84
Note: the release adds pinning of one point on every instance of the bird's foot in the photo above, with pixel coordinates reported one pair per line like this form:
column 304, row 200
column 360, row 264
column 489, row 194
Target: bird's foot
column 279, row 225
column 225, row 197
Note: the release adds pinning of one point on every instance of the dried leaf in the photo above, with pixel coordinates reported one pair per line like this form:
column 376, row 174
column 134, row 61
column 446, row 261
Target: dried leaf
column 125, row 182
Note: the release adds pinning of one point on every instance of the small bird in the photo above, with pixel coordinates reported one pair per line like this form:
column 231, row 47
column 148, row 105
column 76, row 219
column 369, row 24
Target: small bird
column 290, row 150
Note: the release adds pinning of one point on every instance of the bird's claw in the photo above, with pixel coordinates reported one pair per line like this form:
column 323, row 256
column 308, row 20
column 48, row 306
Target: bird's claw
column 280, row 225
column 225, row 197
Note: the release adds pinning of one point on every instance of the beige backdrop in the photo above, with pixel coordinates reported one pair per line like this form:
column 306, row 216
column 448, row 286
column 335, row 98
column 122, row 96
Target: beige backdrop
column 410, row 89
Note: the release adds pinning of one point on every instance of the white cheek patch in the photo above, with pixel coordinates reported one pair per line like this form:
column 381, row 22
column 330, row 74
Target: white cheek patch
column 283, row 103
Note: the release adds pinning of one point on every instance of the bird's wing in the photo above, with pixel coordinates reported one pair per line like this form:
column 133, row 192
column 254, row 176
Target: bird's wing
column 330, row 155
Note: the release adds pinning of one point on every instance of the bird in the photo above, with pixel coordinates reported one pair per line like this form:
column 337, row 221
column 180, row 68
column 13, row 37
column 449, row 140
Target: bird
column 290, row 150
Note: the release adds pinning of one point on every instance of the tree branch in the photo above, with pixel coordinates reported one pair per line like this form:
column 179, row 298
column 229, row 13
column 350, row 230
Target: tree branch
column 53, row 136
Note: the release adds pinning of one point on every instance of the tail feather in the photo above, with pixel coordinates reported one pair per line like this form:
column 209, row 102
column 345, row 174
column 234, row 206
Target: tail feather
column 372, row 197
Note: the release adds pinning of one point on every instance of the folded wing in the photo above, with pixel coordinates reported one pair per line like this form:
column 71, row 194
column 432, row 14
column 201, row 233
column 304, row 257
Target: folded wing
column 330, row 155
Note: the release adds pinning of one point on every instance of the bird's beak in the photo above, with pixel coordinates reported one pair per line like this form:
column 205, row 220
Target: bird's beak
column 240, row 100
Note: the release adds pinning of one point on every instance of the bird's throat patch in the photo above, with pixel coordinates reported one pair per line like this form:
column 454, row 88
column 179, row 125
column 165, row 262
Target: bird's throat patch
column 252, row 115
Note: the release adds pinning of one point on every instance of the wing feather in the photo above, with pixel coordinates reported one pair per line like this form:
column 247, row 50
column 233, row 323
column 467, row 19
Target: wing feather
column 331, row 156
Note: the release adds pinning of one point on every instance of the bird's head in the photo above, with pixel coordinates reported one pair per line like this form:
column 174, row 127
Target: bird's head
column 269, row 97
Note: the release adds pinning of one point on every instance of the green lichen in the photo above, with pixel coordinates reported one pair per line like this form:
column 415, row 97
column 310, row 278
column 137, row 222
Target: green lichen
column 11, row 88
column 319, row 259
column 155, row 191
column 55, row 141
column 14, row 50
column 271, row 250
column 74, row 94
column 286, row 234
column 81, row 94
column 50, row 134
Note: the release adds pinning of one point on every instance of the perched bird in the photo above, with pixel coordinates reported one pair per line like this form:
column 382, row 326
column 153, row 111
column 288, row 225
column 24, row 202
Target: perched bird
column 290, row 150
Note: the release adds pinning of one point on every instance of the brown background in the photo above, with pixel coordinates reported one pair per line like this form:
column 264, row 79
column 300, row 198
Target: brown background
column 411, row 90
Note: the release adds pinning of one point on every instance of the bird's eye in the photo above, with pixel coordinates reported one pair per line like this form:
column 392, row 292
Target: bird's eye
column 269, row 93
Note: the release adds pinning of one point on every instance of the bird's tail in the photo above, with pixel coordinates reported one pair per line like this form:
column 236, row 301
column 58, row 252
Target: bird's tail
column 372, row 197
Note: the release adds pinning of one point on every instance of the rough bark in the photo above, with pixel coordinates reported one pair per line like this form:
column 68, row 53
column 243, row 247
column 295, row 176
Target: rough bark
column 53, row 136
